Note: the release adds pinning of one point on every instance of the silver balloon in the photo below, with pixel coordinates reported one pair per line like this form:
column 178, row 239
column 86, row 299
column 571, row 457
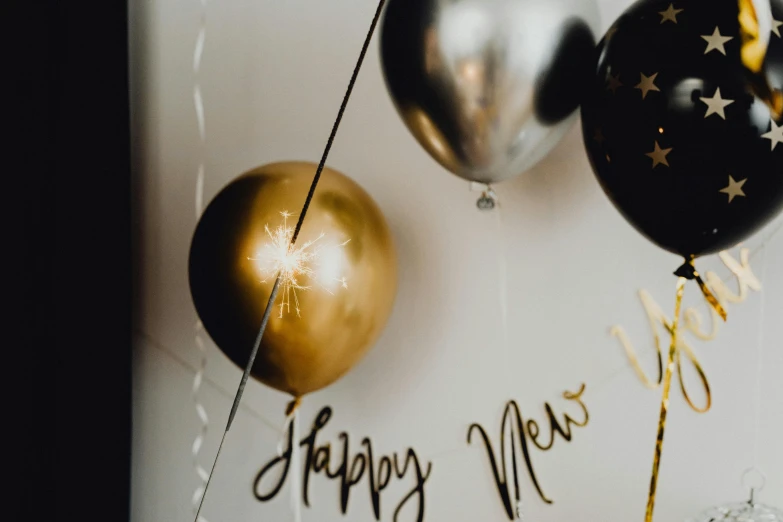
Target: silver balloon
column 488, row 87
column 740, row 512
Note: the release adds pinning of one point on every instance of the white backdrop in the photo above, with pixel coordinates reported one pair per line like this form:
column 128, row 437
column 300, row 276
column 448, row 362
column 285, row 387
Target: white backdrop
column 272, row 77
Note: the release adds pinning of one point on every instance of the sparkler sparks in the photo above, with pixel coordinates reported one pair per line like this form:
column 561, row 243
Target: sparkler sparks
column 293, row 263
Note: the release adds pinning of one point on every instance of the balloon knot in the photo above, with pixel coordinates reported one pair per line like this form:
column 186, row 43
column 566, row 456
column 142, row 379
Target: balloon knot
column 292, row 406
column 687, row 270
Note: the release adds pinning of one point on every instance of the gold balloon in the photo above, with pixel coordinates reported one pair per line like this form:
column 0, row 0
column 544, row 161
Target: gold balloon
column 321, row 329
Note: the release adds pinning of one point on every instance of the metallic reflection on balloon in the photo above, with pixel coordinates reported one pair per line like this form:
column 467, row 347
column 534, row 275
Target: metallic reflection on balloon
column 487, row 87
column 341, row 281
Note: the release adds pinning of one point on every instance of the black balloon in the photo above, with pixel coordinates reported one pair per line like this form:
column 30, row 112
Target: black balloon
column 680, row 135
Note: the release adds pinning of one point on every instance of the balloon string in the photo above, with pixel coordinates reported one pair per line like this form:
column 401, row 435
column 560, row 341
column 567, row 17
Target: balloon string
column 503, row 300
column 290, row 410
column 296, row 465
column 302, row 214
column 284, row 435
column 292, row 423
column 759, row 368
column 667, row 383
column 503, row 294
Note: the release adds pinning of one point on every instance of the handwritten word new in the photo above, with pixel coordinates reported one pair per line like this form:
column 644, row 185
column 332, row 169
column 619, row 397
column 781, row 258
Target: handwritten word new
column 349, row 471
column 524, row 431
column 693, row 323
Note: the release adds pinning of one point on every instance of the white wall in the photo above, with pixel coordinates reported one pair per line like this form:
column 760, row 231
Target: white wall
column 273, row 75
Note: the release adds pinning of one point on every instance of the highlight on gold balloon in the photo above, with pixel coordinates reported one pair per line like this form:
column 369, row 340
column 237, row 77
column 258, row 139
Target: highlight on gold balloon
column 488, row 88
column 337, row 283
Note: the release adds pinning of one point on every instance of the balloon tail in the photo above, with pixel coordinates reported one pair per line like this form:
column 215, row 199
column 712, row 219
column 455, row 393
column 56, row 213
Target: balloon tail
column 667, row 382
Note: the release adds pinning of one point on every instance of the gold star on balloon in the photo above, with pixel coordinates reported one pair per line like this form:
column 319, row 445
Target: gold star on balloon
column 658, row 155
column 776, row 27
column 716, row 41
column 716, row 104
column 670, row 14
column 775, row 134
column 647, row 84
column 734, row 189
column 613, row 83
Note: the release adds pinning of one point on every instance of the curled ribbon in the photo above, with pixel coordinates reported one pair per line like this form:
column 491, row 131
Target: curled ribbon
column 198, row 104
column 195, row 449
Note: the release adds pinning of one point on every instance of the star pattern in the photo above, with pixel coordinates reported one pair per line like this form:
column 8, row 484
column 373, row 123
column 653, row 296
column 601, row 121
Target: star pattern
column 658, row 155
column 670, row 14
column 613, row 83
column 716, row 104
column 775, row 134
column 647, row 84
column 734, row 189
column 716, row 41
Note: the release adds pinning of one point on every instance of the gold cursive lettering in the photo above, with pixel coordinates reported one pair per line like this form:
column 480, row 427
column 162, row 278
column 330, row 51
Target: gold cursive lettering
column 349, row 471
column 693, row 323
column 524, row 430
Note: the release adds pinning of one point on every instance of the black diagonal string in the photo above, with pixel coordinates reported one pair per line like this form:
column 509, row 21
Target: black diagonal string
column 302, row 214
column 337, row 121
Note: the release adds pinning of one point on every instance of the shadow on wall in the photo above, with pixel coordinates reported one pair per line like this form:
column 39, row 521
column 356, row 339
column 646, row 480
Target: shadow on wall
column 139, row 44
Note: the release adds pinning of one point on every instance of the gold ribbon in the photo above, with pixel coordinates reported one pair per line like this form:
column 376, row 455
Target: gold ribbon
column 685, row 272
column 753, row 51
column 667, row 382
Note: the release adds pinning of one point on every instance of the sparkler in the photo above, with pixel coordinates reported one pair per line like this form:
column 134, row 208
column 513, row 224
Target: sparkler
column 294, row 236
column 293, row 263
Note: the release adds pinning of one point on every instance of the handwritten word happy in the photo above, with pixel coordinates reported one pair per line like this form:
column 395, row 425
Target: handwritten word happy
column 693, row 323
column 524, row 430
column 318, row 458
